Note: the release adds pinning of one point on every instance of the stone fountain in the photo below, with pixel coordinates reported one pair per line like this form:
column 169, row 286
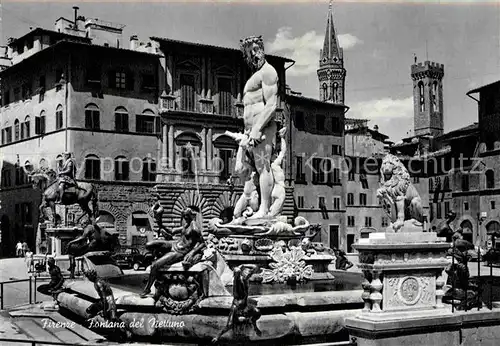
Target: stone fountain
column 257, row 278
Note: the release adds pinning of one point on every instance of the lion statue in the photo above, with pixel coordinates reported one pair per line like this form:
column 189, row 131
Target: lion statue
column 398, row 195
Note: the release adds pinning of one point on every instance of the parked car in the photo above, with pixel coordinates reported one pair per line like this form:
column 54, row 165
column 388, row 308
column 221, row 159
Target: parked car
column 131, row 257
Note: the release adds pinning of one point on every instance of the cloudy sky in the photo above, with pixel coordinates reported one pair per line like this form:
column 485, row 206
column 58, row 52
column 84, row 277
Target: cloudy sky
column 379, row 40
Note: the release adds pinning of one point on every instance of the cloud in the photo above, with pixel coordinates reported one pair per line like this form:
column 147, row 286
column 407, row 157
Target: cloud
column 382, row 108
column 304, row 49
column 393, row 116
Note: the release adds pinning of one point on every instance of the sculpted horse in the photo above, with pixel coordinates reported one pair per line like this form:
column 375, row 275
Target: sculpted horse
column 83, row 195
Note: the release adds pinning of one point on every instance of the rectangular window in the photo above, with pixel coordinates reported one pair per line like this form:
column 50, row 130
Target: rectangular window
column 225, row 156
column 321, row 202
column 336, row 150
column 145, row 124
column 300, row 201
column 416, row 180
column 320, row 122
column 94, row 75
column 336, row 125
column 17, row 94
column 362, row 199
column 368, row 221
column 28, row 212
column 149, row 170
column 225, row 96
column 6, row 97
column 466, row 205
column 187, row 164
column 187, row 82
column 350, row 243
column 465, row 182
column 320, row 167
column 120, row 80
column 26, row 90
column 334, row 236
column 8, row 134
column 300, row 176
column 40, row 125
column 41, row 82
column 121, row 122
column 438, row 210
column 492, row 204
column 336, row 203
column 350, row 221
column 148, row 82
column 299, row 120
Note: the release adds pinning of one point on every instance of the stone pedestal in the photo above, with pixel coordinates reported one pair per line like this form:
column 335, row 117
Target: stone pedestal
column 403, row 283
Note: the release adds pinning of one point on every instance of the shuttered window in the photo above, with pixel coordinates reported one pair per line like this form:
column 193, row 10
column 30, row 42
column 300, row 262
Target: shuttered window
column 187, row 92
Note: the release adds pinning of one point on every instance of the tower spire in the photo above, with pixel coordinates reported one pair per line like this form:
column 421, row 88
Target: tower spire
column 330, row 46
column 331, row 72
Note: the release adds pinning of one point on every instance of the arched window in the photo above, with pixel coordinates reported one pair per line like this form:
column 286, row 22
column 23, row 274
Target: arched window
column 148, row 169
column 121, row 119
column 16, row 130
column 92, row 117
column 40, row 124
column 493, row 228
column 145, row 122
column 421, row 97
column 335, row 95
column 435, row 107
column 122, row 168
column 25, row 128
column 490, row 179
column 350, row 199
column 59, row 117
column 92, row 167
column 106, row 219
column 325, row 92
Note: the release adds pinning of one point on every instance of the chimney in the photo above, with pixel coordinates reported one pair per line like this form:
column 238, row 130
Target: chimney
column 76, row 8
column 133, row 42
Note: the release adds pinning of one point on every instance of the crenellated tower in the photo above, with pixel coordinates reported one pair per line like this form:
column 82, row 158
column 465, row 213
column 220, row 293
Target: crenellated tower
column 331, row 72
column 428, row 98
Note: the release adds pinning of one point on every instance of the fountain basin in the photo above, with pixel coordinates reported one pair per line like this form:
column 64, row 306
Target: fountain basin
column 312, row 310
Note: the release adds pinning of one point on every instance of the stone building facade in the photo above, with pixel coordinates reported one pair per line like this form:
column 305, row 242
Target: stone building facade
column 141, row 120
column 314, row 165
column 461, row 166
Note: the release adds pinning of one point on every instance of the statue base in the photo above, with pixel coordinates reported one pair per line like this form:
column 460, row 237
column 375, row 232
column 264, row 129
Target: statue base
column 403, row 281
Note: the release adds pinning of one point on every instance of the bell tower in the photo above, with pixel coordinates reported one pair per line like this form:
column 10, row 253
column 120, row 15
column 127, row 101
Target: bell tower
column 331, row 72
column 428, row 98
